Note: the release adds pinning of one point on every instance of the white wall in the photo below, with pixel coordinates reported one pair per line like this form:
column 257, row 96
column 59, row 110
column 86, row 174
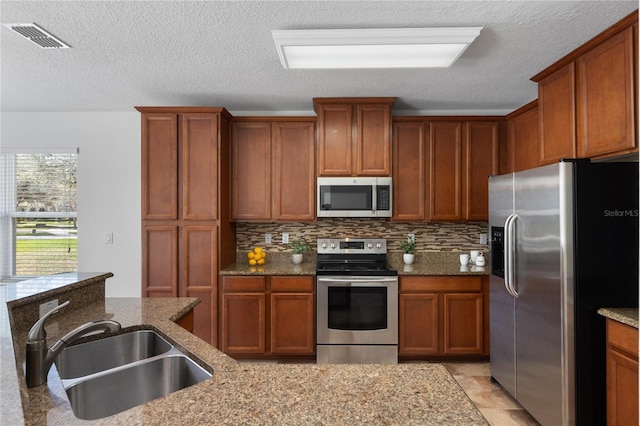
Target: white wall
column 108, row 184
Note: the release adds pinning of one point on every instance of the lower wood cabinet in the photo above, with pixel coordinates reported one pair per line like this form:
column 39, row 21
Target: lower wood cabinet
column 267, row 315
column 622, row 374
column 443, row 316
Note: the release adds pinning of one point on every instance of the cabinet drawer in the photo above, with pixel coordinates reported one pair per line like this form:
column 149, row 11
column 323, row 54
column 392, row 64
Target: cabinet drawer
column 445, row 283
column 623, row 337
column 243, row 284
column 292, row 284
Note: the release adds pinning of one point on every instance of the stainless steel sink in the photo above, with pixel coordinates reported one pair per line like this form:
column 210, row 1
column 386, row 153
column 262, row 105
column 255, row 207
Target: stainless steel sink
column 107, row 376
column 110, row 393
column 104, row 354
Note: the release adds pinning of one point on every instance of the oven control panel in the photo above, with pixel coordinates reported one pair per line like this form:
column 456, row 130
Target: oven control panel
column 352, row 246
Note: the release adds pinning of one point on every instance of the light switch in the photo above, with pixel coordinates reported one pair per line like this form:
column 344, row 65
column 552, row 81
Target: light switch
column 108, row 238
column 285, row 238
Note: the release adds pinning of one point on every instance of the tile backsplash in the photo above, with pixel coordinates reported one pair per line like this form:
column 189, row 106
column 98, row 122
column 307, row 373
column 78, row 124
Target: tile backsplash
column 432, row 237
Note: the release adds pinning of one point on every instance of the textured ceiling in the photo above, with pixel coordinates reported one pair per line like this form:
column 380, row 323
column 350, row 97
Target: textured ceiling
column 220, row 53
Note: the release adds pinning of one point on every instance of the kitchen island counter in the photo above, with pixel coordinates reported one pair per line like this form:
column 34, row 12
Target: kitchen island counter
column 416, row 393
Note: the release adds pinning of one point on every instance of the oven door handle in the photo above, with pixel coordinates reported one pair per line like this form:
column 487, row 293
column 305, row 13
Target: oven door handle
column 359, row 279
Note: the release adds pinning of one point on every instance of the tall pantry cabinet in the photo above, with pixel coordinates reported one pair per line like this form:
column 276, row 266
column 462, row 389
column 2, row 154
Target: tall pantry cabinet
column 187, row 236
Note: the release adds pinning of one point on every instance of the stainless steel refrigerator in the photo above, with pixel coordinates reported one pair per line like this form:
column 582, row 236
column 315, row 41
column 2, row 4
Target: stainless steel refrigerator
column 564, row 243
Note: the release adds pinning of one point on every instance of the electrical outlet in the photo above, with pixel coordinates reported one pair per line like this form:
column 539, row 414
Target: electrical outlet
column 108, row 238
column 285, row 238
column 267, row 238
column 483, row 238
column 47, row 306
column 411, row 238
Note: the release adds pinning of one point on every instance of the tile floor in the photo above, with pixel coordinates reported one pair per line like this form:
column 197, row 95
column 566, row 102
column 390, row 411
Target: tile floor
column 497, row 407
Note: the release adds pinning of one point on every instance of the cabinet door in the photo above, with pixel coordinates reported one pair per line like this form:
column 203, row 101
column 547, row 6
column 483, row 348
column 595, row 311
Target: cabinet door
column 409, row 171
column 481, row 161
column 622, row 389
column 160, row 166
column 335, row 139
column 463, row 323
column 418, row 324
column 294, row 171
column 251, row 171
column 199, row 277
column 556, row 102
column 199, row 166
column 445, row 171
column 373, row 140
column 523, row 141
column 605, row 97
column 242, row 314
column 160, row 261
column 292, row 323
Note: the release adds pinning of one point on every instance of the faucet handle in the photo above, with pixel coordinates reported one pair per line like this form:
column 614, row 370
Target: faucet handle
column 37, row 331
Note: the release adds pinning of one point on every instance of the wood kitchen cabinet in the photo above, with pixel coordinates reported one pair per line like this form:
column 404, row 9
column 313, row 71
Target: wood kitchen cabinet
column 523, row 140
column 622, row 374
column 605, row 94
column 557, row 121
column 409, row 169
column 460, row 159
column 354, row 136
column 186, row 233
column 273, row 170
column 443, row 316
column 262, row 316
column 444, row 176
column 480, row 149
column 588, row 99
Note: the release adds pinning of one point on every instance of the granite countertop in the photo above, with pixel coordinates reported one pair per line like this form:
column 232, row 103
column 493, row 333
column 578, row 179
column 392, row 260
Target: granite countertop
column 427, row 263
column 412, row 393
column 628, row 316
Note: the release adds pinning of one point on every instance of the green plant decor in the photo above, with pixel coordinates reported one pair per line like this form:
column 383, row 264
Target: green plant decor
column 299, row 246
column 408, row 247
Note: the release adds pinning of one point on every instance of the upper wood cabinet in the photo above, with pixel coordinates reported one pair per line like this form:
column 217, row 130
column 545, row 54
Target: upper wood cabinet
column 273, row 170
column 481, row 144
column 444, row 176
column 192, row 138
column 441, row 169
column 605, row 97
column 587, row 100
column 409, row 145
column 251, row 170
column 160, row 166
column 556, row 103
column 523, row 141
column 354, row 136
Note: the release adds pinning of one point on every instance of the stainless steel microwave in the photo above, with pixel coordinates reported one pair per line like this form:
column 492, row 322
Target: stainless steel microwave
column 354, row 196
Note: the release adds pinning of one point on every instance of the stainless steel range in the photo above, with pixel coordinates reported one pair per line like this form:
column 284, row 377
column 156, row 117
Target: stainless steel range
column 357, row 302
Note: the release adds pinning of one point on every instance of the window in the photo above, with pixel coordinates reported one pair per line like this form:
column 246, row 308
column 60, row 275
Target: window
column 38, row 226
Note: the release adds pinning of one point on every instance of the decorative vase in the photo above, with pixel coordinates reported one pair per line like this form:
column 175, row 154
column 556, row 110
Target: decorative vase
column 296, row 258
column 408, row 258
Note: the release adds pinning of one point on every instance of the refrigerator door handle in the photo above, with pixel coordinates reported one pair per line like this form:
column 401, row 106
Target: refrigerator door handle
column 509, row 254
column 512, row 254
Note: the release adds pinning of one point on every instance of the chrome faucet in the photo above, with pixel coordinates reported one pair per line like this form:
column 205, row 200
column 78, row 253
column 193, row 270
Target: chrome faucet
column 40, row 358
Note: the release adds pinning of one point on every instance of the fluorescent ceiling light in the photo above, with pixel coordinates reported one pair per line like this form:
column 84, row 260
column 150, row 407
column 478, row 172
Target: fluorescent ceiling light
column 372, row 48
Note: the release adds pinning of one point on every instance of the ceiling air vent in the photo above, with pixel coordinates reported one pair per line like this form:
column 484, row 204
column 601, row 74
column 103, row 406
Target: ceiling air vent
column 38, row 35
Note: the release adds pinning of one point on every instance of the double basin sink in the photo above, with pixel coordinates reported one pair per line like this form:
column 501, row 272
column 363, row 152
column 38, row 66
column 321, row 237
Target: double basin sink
column 107, row 376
